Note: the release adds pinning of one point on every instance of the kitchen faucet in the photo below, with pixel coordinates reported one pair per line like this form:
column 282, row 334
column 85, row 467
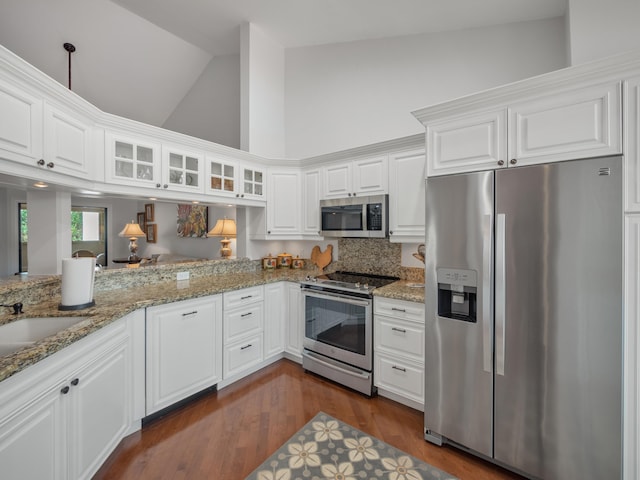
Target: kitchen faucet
column 17, row 307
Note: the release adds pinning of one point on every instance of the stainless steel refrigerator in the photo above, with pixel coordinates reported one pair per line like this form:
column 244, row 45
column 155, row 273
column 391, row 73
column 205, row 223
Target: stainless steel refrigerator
column 524, row 317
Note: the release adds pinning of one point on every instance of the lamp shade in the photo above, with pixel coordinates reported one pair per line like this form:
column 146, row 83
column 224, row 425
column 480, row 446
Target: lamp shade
column 225, row 227
column 131, row 230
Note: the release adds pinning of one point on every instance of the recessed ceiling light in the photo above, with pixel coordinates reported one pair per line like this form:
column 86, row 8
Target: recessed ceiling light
column 195, row 202
column 152, row 198
column 40, row 185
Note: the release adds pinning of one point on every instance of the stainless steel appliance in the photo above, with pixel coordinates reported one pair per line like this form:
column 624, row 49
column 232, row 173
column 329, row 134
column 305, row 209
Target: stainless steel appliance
column 524, row 317
column 338, row 333
column 355, row 217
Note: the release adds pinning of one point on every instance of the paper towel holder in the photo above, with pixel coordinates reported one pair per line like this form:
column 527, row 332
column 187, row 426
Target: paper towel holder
column 77, row 283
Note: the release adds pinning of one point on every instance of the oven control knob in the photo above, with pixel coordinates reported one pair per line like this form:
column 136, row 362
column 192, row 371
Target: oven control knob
column 365, row 286
column 357, row 285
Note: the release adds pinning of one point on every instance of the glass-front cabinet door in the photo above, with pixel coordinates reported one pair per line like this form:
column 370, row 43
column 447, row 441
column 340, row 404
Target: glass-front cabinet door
column 132, row 161
column 182, row 170
column 253, row 182
column 222, row 177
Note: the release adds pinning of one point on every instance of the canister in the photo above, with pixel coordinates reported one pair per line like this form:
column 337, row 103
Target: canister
column 297, row 263
column 269, row 262
column 284, row 260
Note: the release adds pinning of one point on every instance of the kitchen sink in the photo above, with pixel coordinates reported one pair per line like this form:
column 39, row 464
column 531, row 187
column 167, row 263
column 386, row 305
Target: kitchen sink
column 27, row 331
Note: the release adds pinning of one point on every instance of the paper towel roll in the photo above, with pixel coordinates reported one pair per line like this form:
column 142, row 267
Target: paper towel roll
column 77, row 282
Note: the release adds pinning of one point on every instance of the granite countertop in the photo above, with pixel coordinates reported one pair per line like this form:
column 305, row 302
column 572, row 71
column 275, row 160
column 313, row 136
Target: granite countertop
column 114, row 304
column 402, row 290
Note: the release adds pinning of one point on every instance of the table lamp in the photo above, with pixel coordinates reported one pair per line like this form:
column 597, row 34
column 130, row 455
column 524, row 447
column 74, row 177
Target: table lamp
column 226, row 228
column 132, row 231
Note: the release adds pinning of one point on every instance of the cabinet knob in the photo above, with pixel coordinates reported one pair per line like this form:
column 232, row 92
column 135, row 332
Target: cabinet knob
column 158, row 185
column 50, row 165
column 41, row 162
column 354, row 194
column 165, row 186
column 513, row 161
column 501, row 162
column 75, row 381
column 391, row 232
column 269, row 232
column 349, row 193
column 65, row 390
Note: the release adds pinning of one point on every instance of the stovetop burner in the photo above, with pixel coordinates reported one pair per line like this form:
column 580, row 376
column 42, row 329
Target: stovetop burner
column 350, row 281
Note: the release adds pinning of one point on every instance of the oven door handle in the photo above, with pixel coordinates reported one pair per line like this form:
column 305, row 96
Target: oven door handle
column 342, row 298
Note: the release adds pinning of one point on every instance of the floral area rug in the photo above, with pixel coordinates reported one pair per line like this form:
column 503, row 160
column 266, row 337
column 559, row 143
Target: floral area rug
column 326, row 448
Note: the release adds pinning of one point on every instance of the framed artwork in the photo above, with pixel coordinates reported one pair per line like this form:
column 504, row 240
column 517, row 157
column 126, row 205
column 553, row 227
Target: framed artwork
column 142, row 220
column 192, row 221
column 148, row 212
column 152, row 232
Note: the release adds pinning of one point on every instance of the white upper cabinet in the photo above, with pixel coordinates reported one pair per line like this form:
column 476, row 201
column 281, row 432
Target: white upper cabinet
column 358, row 177
column 580, row 123
column 465, row 144
column 283, row 203
column 311, row 188
column 407, row 196
column 132, row 161
column 20, row 124
column 632, row 144
column 253, row 182
column 182, row 170
column 67, row 143
column 222, row 176
column 569, row 124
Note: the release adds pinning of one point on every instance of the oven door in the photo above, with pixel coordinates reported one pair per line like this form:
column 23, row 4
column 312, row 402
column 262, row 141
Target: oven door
column 339, row 326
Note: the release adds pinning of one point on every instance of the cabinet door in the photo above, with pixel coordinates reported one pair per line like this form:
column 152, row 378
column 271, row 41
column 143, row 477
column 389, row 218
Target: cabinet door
column 181, row 170
column 253, row 182
column 222, row 177
column 99, row 402
column 274, row 318
column 132, row 161
column 184, row 345
column 311, row 191
column 632, row 147
column 67, row 143
column 580, row 123
column 20, row 125
column 370, row 176
column 283, row 205
column 294, row 320
column 32, row 441
column 407, row 196
column 338, row 180
column 467, row 144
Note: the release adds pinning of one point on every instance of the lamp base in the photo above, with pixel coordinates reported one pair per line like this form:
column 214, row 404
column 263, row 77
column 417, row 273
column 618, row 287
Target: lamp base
column 225, row 251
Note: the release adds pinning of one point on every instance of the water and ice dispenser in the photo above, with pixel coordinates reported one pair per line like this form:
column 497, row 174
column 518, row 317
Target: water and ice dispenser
column 457, row 293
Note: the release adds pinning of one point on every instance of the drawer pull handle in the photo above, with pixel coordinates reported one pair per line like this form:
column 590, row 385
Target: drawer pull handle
column 246, row 314
column 245, row 297
column 398, row 309
column 245, row 347
column 399, row 368
column 190, row 313
column 396, row 329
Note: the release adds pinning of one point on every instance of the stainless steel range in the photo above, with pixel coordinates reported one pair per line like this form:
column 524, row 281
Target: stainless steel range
column 338, row 332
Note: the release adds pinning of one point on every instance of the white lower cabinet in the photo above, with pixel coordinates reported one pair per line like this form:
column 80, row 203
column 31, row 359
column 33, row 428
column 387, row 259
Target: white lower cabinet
column 243, row 330
column 62, row 417
column 399, row 350
column 295, row 322
column 275, row 296
column 184, row 350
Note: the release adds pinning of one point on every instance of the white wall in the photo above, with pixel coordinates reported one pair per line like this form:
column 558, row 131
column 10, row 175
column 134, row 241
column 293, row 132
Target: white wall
column 262, row 62
column 602, row 28
column 211, row 109
column 346, row 95
column 123, row 64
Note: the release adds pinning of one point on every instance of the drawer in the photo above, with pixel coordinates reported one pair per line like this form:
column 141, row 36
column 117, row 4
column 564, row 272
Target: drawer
column 242, row 355
column 399, row 377
column 243, row 321
column 242, row 297
column 402, row 309
column 399, row 338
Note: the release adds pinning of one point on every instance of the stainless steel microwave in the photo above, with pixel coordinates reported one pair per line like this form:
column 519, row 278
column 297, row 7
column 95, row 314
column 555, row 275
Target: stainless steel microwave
column 355, row 217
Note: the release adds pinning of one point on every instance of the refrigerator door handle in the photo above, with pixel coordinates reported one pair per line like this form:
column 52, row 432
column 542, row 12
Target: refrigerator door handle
column 486, row 294
column 500, row 307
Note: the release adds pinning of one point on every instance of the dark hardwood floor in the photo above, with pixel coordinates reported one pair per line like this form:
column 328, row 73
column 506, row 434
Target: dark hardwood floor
column 227, row 434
